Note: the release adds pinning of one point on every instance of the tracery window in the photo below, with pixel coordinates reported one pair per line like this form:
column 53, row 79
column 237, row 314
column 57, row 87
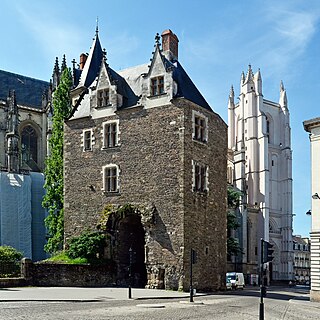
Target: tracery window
column 29, row 144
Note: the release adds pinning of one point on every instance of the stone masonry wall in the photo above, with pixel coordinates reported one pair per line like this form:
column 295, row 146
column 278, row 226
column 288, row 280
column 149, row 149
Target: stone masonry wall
column 205, row 213
column 150, row 159
column 155, row 161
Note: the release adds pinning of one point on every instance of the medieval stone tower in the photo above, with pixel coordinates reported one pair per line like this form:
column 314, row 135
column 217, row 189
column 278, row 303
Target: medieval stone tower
column 259, row 139
column 145, row 136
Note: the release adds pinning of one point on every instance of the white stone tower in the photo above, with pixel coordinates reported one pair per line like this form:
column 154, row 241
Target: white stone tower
column 259, row 138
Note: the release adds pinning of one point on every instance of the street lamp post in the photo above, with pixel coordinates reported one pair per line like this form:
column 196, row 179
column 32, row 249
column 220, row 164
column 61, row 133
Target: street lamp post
column 130, row 272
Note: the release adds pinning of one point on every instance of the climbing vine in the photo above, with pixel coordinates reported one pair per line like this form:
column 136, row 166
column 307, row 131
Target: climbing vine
column 53, row 199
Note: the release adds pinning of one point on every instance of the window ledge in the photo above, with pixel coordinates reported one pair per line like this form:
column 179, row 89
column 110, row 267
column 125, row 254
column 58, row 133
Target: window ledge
column 111, row 148
column 111, row 193
column 157, row 96
column 202, row 193
column 107, row 106
column 204, row 142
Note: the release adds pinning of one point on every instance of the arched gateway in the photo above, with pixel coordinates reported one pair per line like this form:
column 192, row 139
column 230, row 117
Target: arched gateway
column 127, row 246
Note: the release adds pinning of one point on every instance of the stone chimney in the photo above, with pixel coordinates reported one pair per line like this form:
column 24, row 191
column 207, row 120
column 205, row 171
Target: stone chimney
column 83, row 59
column 170, row 45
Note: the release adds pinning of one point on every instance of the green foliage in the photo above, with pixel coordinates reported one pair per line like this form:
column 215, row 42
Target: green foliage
column 233, row 197
column 104, row 216
column 233, row 246
column 53, row 199
column 122, row 211
column 9, row 254
column 88, row 245
column 232, row 221
column 62, row 257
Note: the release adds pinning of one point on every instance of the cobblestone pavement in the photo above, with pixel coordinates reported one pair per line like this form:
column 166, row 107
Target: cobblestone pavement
column 280, row 304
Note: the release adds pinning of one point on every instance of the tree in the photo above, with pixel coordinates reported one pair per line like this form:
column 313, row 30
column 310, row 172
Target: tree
column 233, row 246
column 53, row 199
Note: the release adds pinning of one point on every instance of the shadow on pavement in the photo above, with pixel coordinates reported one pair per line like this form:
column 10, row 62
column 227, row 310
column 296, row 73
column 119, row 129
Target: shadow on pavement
column 286, row 294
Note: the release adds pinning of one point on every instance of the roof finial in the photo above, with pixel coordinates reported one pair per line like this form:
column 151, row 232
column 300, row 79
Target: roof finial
column 104, row 53
column 157, row 38
column 97, row 25
column 281, row 86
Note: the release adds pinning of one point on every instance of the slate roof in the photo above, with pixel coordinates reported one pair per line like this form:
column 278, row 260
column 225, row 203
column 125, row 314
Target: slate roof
column 186, row 88
column 92, row 66
column 28, row 90
column 128, row 81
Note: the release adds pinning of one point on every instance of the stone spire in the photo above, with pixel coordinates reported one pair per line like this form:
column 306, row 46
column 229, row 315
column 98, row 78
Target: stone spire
column 64, row 63
column 242, row 78
column 249, row 76
column 12, row 136
column 258, row 82
column 231, row 97
column 283, row 96
column 56, row 74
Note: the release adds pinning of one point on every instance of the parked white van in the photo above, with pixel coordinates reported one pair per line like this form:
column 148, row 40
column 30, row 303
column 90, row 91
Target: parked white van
column 235, row 280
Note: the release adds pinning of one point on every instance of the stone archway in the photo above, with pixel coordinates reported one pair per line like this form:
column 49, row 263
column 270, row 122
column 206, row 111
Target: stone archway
column 126, row 230
column 130, row 235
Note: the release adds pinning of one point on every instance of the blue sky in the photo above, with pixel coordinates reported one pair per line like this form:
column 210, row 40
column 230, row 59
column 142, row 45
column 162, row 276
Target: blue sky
column 218, row 39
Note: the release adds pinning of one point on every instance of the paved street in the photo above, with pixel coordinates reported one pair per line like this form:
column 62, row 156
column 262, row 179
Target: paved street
column 112, row 303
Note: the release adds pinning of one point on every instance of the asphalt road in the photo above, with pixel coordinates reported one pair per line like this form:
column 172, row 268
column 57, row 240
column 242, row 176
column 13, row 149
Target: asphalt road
column 280, row 304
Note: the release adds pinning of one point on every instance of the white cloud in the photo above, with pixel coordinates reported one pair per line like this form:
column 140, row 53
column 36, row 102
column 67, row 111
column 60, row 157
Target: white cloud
column 272, row 39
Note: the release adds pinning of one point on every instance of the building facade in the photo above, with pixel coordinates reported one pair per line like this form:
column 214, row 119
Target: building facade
column 301, row 251
column 313, row 127
column 259, row 139
column 24, row 109
column 146, row 137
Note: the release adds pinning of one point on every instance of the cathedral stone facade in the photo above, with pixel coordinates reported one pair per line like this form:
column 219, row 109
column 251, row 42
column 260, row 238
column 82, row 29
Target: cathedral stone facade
column 260, row 161
column 24, row 109
column 145, row 136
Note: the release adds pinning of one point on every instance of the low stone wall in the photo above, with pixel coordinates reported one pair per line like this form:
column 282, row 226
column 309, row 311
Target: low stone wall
column 68, row 275
column 61, row 275
column 13, row 282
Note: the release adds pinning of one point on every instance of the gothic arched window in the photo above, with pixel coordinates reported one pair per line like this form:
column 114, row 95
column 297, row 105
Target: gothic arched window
column 29, row 144
column 268, row 129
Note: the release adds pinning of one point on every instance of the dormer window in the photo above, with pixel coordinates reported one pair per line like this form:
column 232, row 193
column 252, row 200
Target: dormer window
column 103, row 98
column 157, row 86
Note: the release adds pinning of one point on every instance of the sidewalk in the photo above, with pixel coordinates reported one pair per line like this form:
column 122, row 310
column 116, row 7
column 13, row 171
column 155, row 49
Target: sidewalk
column 83, row 294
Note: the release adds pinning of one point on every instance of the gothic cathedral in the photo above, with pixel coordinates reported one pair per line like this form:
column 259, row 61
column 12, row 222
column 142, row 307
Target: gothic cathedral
column 260, row 160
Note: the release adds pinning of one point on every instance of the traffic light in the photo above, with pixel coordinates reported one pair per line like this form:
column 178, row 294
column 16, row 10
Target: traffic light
column 267, row 251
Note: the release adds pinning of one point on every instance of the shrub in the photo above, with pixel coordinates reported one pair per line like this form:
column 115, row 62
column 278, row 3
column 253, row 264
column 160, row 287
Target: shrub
column 9, row 254
column 88, row 245
column 9, row 262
